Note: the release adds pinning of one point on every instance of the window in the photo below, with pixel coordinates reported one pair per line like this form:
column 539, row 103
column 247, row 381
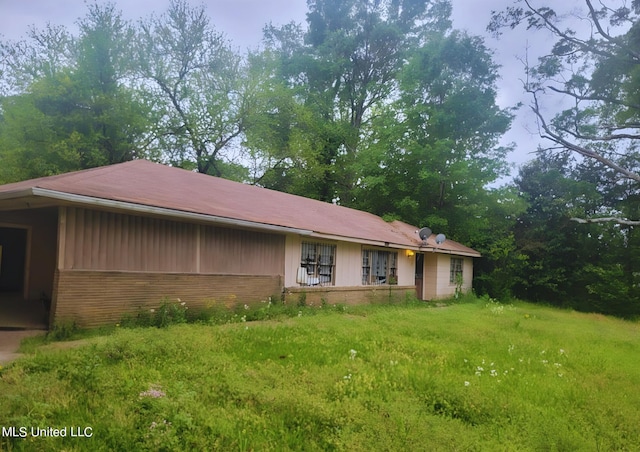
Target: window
column 379, row 267
column 317, row 264
column 455, row 272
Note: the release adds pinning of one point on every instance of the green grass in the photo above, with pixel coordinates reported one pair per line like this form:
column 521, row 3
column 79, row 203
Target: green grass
column 472, row 376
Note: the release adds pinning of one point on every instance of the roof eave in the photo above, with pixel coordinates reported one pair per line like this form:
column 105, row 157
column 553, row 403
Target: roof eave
column 192, row 216
column 161, row 211
column 363, row 241
column 17, row 193
column 434, row 249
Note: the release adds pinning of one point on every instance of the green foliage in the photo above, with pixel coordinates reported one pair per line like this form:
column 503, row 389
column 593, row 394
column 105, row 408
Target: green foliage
column 177, row 312
column 77, row 113
column 596, row 76
column 472, row 376
column 588, row 267
column 427, row 166
column 302, row 299
column 63, row 331
column 594, row 266
column 330, row 83
column 168, row 313
column 196, row 88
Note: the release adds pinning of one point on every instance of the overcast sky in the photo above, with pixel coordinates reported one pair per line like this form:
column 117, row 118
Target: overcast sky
column 242, row 22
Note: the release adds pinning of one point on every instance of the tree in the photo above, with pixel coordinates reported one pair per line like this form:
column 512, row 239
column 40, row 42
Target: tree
column 338, row 71
column 380, row 106
column 42, row 54
column 596, row 69
column 195, row 86
column 72, row 111
column 587, row 267
column 430, row 154
column 428, row 157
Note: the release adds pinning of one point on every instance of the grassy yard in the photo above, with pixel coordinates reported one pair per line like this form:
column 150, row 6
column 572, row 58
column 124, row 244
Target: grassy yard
column 471, row 376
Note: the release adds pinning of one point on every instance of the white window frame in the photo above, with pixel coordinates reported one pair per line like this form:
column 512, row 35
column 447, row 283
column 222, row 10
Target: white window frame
column 379, row 267
column 456, row 268
column 317, row 264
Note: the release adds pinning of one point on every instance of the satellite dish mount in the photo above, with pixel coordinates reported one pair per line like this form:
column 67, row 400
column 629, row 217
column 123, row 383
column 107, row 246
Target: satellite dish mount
column 424, row 233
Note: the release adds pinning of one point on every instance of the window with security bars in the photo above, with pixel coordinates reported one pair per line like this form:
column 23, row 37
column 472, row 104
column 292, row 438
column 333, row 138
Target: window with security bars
column 379, row 267
column 317, row 264
column 455, row 272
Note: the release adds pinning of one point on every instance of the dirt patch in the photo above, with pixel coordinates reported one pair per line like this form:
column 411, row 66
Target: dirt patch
column 10, row 342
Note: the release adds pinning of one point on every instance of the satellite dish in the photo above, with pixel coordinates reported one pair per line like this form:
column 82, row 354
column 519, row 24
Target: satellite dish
column 424, row 233
column 440, row 238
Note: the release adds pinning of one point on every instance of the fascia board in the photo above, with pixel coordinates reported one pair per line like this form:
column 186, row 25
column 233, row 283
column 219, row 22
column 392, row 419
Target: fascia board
column 161, row 211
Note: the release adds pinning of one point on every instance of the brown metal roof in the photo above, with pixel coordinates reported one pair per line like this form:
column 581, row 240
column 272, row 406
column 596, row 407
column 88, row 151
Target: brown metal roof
column 144, row 183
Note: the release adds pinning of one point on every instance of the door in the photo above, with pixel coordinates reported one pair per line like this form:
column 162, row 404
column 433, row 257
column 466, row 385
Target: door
column 13, row 255
column 419, row 274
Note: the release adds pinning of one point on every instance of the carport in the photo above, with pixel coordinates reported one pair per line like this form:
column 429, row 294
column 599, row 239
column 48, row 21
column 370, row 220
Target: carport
column 27, row 263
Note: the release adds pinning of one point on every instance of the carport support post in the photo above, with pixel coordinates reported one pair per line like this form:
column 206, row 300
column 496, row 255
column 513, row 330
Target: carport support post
column 62, row 240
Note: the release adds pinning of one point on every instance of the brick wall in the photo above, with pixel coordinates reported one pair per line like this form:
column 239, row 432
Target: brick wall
column 348, row 295
column 94, row 298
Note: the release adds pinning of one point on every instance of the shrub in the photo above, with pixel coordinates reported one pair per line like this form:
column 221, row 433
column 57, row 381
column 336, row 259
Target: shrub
column 63, row 331
column 170, row 313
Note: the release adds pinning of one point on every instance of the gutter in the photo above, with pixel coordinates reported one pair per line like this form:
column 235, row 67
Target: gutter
column 378, row 243
column 443, row 251
column 16, row 193
column 144, row 209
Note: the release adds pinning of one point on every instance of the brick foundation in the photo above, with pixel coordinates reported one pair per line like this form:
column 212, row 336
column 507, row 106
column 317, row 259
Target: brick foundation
column 348, row 295
column 95, row 298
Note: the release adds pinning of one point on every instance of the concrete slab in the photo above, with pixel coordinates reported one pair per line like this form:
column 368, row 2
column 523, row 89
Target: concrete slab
column 10, row 342
column 21, row 314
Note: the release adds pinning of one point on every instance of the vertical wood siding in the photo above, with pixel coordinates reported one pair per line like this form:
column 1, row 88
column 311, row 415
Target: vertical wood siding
column 349, row 264
column 233, row 251
column 406, row 269
column 99, row 240
column 430, row 280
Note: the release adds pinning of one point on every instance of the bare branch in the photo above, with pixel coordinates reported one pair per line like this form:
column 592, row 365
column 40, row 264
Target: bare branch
column 611, row 137
column 594, row 98
column 607, row 220
column 607, row 36
column 585, row 46
column 551, row 135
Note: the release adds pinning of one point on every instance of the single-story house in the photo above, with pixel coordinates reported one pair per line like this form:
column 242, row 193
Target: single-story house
column 96, row 244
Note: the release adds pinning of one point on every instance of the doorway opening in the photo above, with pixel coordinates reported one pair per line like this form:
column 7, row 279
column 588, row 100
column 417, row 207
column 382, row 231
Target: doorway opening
column 16, row 310
column 13, row 261
column 419, row 274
